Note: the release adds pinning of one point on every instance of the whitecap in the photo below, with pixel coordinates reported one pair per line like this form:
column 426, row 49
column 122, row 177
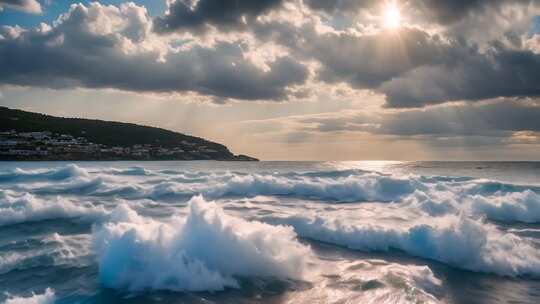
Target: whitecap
column 508, row 207
column 458, row 241
column 46, row 298
column 19, row 208
column 60, row 173
column 52, row 250
column 205, row 251
column 371, row 282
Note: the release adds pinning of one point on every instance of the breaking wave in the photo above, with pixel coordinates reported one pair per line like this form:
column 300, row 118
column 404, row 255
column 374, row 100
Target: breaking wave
column 208, row 250
column 19, row 208
column 340, row 186
column 372, row 282
column 517, row 206
column 458, row 241
column 61, row 173
column 52, row 250
column 453, row 220
column 46, row 298
column 354, row 185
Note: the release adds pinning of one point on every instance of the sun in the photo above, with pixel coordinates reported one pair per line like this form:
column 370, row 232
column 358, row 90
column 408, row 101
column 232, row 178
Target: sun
column 392, row 16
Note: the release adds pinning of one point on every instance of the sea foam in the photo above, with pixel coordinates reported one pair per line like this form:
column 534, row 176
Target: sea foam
column 60, row 173
column 46, row 298
column 51, row 250
column 19, row 208
column 458, row 241
column 372, row 282
column 208, row 250
column 509, row 207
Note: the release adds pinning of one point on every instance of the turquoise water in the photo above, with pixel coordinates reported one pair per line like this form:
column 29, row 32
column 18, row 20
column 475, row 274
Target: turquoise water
column 270, row 232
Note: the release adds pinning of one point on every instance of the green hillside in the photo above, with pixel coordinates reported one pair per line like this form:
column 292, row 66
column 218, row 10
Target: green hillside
column 104, row 132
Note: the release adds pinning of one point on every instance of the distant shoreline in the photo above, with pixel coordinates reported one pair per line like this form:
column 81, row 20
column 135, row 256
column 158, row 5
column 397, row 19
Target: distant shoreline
column 127, row 159
column 27, row 136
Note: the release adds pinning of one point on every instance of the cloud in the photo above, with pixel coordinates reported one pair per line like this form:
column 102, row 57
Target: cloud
column 224, row 14
column 448, row 12
column 494, row 122
column 28, row 6
column 339, row 6
column 412, row 67
column 366, row 61
column 416, row 66
column 468, row 74
column 501, row 118
column 98, row 46
column 270, row 49
column 445, row 13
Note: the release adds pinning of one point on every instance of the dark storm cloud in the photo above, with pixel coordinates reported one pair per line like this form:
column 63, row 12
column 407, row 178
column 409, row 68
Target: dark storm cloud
column 443, row 12
column 364, row 61
column 501, row 119
column 73, row 54
column 488, row 119
column 411, row 67
column 468, row 75
column 340, row 6
column 224, row 14
column 369, row 60
column 447, row 12
column 29, row 6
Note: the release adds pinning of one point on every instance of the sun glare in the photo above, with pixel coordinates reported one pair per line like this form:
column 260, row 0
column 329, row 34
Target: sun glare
column 392, row 16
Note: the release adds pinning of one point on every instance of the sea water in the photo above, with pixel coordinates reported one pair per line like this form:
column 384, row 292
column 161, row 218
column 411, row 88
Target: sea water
column 270, row 232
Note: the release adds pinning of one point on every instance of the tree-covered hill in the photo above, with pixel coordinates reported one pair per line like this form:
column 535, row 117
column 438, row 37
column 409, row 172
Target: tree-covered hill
column 104, row 132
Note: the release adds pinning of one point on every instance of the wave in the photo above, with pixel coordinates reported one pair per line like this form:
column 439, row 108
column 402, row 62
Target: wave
column 458, row 241
column 508, row 207
column 368, row 187
column 19, row 208
column 434, row 195
column 340, row 185
column 61, row 173
column 136, row 171
column 46, row 298
column 52, row 250
column 488, row 187
column 205, row 251
column 518, row 206
column 372, row 282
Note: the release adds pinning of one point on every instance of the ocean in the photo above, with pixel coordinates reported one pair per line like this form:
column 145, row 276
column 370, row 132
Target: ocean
column 270, row 232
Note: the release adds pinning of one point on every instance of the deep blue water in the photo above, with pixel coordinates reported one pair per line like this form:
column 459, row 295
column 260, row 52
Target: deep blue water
column 270, row 232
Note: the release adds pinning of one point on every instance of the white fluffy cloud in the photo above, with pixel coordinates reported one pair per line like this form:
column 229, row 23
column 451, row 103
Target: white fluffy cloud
column 101, row 46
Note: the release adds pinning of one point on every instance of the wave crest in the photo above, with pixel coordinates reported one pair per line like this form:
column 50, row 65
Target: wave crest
column 206, row 251
column 455, row 240
column 46, row 298
column 60, row 173
column 19, row 208
column 516, row 206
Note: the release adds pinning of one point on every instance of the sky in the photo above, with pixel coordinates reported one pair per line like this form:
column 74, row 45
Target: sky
column 289, row 79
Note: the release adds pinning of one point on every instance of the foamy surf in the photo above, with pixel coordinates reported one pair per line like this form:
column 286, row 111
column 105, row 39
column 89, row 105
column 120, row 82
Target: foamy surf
column 25, row 207
column 288, row 233
column 455, row 240
column 204, row 251
column 46, row 298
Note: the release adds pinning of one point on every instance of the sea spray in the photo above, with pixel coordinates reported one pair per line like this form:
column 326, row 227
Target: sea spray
column 458, row 241
column 47, row 297
column 207, row 250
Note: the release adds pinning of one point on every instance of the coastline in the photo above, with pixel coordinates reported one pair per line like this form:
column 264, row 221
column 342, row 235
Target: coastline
column 238, row 158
